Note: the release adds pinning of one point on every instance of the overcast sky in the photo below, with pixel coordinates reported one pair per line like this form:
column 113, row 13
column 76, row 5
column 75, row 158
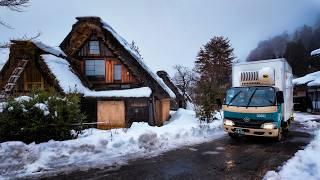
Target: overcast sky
column 168, row 32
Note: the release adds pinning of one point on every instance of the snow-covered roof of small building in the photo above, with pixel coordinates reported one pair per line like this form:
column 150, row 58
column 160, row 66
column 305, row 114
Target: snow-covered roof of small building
column 70, row 82
column 312, row 79
column 315, row 52
column 4, row 56
column 50, row 49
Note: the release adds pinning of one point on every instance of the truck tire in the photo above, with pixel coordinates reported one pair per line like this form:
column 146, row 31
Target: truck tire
column 285, row 127
column 280, row 135
column 233, row 136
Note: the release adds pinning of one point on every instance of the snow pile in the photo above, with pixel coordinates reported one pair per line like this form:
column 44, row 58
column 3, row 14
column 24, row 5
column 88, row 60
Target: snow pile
column 312, row 79
column 105, row 148
column 70, row 82
column 52, row 50
column 4, row 56
column 315, row 52
column 308, row 120
column 304, row 165
column 126, row 45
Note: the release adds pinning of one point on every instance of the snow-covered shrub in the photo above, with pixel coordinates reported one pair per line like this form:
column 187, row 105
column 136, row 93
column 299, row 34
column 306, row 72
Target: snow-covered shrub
column 40, row 117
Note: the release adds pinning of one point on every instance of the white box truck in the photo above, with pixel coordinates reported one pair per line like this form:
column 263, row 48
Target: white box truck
column 260, row 101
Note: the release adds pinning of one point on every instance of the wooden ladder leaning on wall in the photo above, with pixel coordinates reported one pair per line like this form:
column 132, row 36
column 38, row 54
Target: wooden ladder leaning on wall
column 12, row 81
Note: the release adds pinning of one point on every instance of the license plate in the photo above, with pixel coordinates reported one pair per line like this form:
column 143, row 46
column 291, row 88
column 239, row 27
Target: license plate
column 239, row 131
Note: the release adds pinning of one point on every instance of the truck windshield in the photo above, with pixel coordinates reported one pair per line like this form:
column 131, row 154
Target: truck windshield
column 251, row 96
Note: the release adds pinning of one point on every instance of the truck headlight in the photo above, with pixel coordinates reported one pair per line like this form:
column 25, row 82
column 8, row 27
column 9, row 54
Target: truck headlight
column 268, row 126
column 228, row 122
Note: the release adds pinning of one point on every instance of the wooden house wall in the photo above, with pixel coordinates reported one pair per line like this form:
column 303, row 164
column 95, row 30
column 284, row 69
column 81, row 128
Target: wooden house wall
column 104, row 51
column 111, row 114
column 31, row 78
column 117, row 112
column 110, row 60
column 162, row 111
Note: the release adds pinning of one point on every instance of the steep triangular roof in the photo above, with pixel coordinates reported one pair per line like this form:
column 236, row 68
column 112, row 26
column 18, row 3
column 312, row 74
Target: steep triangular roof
column 86, row 26
column 55, row 66
column 28, row 49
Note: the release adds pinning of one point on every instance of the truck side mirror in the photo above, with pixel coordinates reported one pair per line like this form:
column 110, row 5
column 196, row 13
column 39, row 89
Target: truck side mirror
column 280, row 99
column 219, row 102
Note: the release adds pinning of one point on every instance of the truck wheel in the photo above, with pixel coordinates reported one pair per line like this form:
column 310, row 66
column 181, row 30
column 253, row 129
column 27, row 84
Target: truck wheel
column 233, row 136
column 285, row 127
column 280, row 135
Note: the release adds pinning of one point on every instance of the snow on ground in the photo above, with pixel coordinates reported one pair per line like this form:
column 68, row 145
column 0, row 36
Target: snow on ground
column 105, row 148
column 308, row 120
column 305, row 164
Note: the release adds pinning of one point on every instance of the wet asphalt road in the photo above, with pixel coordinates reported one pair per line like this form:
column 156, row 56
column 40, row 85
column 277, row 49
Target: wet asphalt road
column 224, row 158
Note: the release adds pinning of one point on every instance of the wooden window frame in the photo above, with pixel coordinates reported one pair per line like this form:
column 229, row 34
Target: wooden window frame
column 114, row 73
column 97, row 50
column 98, row 77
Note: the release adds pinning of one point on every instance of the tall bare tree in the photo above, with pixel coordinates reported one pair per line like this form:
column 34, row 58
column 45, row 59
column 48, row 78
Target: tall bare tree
column 17, row 6
column 184, row 79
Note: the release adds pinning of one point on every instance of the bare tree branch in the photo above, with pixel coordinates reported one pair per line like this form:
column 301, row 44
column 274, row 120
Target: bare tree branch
column 5, row 24
column 4, row 45
column 28, row 38
column 14, row 5
column 23, row 38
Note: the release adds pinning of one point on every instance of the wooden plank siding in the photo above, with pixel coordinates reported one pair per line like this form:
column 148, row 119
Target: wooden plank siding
column 162, row 111
column 110, row 60
column 126, row 76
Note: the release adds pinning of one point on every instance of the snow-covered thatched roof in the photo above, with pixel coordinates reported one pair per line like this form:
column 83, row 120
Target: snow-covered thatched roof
column 315, row 52
column 88, row 25
column 138, row 58
column 50, row 49
column 312, row 79
column 70, row 82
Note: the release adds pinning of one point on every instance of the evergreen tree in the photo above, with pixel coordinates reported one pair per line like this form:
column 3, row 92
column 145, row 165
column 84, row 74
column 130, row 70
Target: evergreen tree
column 213, row 66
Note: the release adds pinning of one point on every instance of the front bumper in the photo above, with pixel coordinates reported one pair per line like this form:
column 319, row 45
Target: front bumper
column 253, row 132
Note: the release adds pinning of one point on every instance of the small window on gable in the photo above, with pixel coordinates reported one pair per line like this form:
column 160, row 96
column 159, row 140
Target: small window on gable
column 95, row 67
column 117, row 72
column 94, row 47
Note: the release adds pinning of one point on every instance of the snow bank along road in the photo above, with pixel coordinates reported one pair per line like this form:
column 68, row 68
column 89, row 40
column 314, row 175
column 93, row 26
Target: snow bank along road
column 223, row 158
column 104, row 148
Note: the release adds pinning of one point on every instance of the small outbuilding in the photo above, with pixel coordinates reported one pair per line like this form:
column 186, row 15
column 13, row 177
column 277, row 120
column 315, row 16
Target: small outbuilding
column 181, row 99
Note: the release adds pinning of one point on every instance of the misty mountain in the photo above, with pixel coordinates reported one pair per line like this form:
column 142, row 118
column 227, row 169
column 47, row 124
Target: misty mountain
column 295, row 47
column 275, row 47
